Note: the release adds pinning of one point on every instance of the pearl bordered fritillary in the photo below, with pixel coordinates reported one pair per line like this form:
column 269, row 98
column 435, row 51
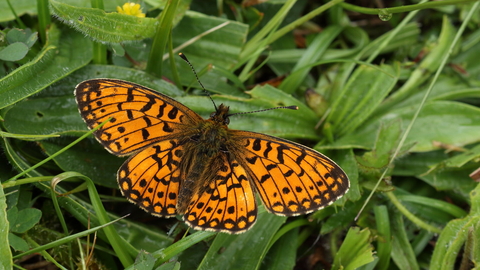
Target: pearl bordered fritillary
column 183, row 164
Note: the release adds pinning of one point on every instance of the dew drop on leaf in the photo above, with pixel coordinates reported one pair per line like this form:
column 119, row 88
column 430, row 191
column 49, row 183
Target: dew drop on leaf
column 384, row 15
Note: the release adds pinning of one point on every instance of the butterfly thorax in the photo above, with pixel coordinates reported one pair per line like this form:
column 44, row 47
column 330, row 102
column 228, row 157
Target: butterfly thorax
column 211, row 135
column 207, row 145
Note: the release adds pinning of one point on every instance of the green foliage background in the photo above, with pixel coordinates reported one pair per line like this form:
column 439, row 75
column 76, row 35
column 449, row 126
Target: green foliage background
column 392, row 95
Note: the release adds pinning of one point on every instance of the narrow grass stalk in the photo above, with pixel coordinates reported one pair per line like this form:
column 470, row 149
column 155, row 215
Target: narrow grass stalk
column 165, row 22
column 44, row 19
column 420, row 223
column 99, row 50
column 407, row 8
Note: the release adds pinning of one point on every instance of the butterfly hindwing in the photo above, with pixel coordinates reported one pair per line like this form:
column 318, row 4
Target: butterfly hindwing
column 140, row 116
column 151, row 178
column 290, row 178
column 227, row 203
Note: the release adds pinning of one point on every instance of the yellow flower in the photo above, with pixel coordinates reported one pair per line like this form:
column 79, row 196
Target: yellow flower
column 131, row 9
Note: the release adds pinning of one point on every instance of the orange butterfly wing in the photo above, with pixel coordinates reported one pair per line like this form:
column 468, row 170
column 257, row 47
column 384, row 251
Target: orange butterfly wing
column 152, row 178
column 291, row 179
column 140, row 116
column 144, row 122
column 227, row 203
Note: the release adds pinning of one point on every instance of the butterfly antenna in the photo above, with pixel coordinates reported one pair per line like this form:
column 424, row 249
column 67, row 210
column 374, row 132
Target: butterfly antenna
column 198, row 80
column 293, row 107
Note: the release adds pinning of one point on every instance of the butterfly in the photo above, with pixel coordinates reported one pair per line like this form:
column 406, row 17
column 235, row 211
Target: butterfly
column 183, row 164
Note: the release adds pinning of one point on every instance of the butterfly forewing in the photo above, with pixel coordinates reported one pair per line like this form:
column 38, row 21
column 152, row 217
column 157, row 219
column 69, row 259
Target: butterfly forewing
column 227, row 203
column 290, row 178
column 139, row 116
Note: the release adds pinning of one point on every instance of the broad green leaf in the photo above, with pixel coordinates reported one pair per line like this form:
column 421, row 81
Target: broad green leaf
column 456, row 234
column 102, row 26
column 364, row 91
column 25, row 36
column 338, row 217
column 170, row 266
column 347, row 160
column 447, row 88
column 373, row 163
column 143, row 261
column 26, row 219
column 456, row 182
column 459, row 160
column 14, row 52
column 355, row 251
column 443, row 121
column 281, row 122
column 402, row 252
column 453, row 180
column 247, row 249
column 17, row 244
column 61, row 55
column 283, row 253
column 21, row 7
column 12, row 215
column 42, row 116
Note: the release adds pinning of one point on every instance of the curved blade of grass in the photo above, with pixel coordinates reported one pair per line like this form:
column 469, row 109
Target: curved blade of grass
column 417, row 221
column 27, row 137
column 313, row 53
column 5, row 252
column 65, row 239
column 26, row 171
column 160, row 38
column 45, row 254
column 449, row 208
column 258, row 41
column 112, row 236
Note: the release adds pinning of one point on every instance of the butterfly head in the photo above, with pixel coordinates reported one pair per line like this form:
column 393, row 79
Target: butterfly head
column 221, row 115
